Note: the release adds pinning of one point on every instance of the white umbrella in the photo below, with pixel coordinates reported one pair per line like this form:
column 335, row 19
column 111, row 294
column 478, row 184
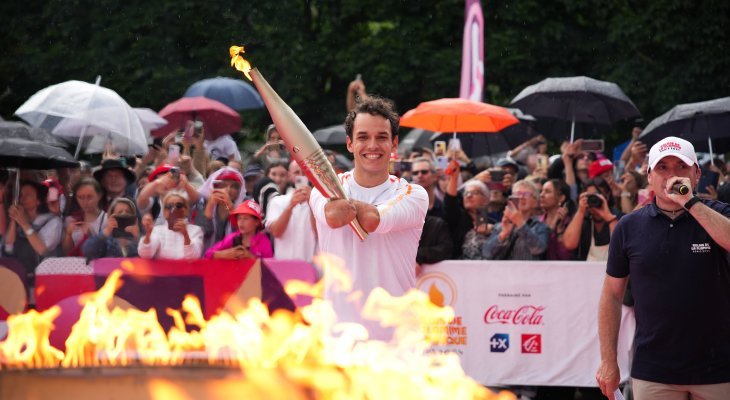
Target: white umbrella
column 150, row 121
column 76, row 111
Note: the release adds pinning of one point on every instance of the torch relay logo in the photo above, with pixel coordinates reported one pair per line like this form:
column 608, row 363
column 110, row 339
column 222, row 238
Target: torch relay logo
column 439, row 287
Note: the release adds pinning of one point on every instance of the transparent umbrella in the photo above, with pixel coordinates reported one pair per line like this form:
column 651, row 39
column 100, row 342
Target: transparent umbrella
column 76, row 110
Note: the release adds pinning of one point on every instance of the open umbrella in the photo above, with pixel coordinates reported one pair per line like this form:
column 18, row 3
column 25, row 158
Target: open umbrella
column 234, row 93
column 219, row 119
column 150, row 119
column 458, row 115
column 30, row 154
column 576, row 99
column 503, row 141
column 416, row 138
column 331, row 135
column 705, row 124
column 74, row 110
column 19, row 130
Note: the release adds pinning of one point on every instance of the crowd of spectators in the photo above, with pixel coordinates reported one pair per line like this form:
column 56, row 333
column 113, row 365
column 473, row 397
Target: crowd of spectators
column 194, row 206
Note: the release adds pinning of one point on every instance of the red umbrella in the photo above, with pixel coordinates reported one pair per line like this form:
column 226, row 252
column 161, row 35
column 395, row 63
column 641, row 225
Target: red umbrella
column 218, row 118
column 458, row 115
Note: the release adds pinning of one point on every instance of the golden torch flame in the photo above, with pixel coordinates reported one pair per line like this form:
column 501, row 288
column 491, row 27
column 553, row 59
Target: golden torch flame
column 238, row 61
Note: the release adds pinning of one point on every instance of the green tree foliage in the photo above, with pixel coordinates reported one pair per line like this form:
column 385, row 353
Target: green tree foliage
column 661, row 52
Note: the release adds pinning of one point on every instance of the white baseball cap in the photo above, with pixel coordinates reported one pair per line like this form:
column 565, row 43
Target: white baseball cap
column 673, row 146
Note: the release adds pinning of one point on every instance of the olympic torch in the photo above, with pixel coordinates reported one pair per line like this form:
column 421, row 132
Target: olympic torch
column 299, row 140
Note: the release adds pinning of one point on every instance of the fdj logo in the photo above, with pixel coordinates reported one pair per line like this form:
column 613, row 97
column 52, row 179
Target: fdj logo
column 532, row 343
column 499, row 343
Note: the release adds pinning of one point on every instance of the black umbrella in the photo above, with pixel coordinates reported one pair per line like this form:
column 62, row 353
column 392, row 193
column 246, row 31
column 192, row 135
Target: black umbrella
column 705, row 124
column 28, row 154
column 503, row 141
column 19, row 130
column 331, row 135
column 416, row 138
column 576, row 99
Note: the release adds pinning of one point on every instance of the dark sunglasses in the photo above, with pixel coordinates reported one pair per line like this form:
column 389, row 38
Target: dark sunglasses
column 177, row 205
column 421, row 172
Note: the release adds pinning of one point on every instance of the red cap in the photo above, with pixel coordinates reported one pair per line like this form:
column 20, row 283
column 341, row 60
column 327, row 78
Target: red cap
column 161, row 169
column 599, row 166
column 229, row 175
column 249, row 207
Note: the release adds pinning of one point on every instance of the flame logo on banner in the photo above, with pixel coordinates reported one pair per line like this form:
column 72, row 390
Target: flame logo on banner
column 435, row 295
column 440, row 288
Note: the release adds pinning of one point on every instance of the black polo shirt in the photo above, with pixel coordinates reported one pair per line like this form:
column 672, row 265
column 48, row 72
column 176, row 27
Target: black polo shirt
column 682, row 296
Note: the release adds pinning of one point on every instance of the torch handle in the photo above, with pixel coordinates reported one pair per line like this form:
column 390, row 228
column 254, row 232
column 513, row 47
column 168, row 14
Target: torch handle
column 359, row 231
column 324, row 178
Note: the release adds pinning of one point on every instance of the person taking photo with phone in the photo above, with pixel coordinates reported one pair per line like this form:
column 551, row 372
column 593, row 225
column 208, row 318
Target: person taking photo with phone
column 675, row 251
column 290, row 221
column 223, row 191
column 590, row 230
column 120, row 235
column 520, row 235
column 466, row 214
column 86, row 217
column 33, row 233
column 176, row 239
column 164, row 179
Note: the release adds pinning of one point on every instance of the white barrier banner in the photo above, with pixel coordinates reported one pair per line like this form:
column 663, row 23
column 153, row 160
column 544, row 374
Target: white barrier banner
column 525, row 323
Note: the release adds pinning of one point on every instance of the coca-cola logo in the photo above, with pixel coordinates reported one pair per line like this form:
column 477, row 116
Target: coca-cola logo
column 525, row 315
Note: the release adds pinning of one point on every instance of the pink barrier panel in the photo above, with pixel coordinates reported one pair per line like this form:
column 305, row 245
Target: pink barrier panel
column 286, row 270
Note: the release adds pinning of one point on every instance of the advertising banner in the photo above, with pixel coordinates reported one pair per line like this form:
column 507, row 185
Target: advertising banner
column 524, row 323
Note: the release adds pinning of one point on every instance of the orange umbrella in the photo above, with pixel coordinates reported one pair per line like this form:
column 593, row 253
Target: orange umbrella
column 458, row 115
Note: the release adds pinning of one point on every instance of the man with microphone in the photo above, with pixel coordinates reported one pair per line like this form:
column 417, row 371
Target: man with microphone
column 676, row 252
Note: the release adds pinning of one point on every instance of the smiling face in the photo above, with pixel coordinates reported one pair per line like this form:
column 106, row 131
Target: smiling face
column 114, row 182
column 371, row 144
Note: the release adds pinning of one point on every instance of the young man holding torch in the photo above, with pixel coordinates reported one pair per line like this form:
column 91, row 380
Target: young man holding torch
column 390, row 209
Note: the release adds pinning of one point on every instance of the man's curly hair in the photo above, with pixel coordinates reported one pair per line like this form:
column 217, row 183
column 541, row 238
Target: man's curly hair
column 374, row 105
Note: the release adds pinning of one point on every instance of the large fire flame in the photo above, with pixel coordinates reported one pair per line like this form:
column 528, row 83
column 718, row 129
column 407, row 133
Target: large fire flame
column 238, row 61
column 308, row 347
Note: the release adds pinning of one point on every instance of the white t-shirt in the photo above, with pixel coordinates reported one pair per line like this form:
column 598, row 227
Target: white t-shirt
column 299, row 240
column 387, row 257
column 223, row 146
column 168, row 244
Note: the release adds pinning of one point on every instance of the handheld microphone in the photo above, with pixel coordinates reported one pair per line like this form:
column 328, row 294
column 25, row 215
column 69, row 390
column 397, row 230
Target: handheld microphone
column 680, row 188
